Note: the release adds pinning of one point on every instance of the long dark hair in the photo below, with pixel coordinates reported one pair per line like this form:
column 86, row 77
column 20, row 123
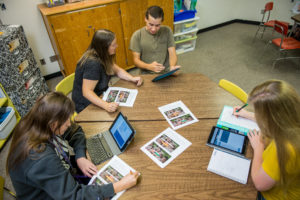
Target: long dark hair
column 36, row 128
column 98, row 49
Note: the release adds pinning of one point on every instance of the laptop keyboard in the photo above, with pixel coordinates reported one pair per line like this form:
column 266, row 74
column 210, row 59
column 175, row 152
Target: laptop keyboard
column 96, row 148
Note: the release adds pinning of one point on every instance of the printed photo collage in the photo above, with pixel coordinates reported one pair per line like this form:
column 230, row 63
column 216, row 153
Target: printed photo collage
column 177, row 114
column 165, row 147
column 112, row 172
column 123, row 96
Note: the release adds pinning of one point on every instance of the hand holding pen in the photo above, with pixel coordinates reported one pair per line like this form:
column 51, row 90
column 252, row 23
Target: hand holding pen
column 239, row 111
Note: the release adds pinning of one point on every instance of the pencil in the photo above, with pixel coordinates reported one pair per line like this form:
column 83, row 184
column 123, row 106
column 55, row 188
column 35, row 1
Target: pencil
column 238, row 110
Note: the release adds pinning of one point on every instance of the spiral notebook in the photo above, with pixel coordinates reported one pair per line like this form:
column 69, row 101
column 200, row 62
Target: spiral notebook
column 230, row 166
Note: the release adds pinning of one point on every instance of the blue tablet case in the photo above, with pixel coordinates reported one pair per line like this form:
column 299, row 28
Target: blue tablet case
column 164, row 75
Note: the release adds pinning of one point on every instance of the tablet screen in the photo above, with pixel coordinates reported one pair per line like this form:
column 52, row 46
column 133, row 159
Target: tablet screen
column 227, row 139
column 121, row 131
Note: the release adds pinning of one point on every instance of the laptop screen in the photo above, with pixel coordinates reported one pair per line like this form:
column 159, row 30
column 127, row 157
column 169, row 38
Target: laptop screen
column 121, row 131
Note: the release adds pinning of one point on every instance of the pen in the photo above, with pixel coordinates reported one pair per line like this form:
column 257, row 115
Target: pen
column 238, row 110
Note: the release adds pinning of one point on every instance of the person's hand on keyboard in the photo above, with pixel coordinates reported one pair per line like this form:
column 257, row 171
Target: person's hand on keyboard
column 87, row 167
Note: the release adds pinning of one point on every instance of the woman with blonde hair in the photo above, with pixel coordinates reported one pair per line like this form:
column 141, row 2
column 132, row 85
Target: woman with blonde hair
column 275, row 167
column 94, row 70
column 39, row 161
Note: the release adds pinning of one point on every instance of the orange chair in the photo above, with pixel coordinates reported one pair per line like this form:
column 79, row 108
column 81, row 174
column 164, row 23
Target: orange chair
column 265, row 22
column 284, row 42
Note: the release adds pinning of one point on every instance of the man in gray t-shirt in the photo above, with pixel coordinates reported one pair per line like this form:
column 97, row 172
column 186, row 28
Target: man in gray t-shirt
column 153, row 46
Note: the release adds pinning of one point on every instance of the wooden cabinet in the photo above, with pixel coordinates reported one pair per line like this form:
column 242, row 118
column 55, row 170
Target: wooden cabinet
column 71, row 26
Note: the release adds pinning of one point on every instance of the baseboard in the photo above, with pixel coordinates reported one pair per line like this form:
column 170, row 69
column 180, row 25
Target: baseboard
column 227, row 23
column 53, row 75
column 231, row 22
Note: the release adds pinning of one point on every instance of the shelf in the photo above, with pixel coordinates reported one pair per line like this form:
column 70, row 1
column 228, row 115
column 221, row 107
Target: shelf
column 185, row 40
column 184, row 50
column 187, row 20
column 183, row 33
column 7, row 102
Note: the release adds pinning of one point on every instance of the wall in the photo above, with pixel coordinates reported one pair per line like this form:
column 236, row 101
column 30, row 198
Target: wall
column 26, row 13
column 211, row 12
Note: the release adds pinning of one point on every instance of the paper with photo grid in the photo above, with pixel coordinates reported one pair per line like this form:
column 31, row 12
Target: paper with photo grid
column 165, row 147
column 177, row 115
column 230, row 166
column 112, row 172
column 123, row 96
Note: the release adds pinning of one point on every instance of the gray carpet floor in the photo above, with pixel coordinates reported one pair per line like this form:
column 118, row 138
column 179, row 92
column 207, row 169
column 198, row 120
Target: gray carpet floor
column 227, row 52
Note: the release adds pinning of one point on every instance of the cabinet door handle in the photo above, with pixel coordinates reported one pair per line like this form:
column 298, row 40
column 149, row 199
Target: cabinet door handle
column 88, row 32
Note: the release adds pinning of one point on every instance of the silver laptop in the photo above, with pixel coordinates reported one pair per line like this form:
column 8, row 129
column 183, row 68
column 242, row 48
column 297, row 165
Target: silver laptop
column 111, row 142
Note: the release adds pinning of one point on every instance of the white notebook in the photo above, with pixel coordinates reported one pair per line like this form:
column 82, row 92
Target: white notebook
column 230, row 166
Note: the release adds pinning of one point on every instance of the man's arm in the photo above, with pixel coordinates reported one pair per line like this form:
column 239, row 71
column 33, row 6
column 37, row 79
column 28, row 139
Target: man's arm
column 154, row 66
column 173, row 59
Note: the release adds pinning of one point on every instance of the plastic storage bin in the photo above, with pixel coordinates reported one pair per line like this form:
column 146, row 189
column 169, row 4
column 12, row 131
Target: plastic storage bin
column 186, row 35
column 185, row 25
column 185, row 46
column 8, row 121
column 185, row 14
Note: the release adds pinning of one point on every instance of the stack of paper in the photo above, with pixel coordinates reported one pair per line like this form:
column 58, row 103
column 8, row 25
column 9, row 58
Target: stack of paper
column 241, row 124
column 229, row 166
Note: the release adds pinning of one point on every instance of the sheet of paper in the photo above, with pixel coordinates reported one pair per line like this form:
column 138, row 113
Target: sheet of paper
column 123, row 96
column 177, row 114
column 112, row 172
column 229, row 118
column 165, row 147
column 229, row 166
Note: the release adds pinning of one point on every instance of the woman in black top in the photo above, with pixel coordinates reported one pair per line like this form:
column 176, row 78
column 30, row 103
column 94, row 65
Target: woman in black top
column 39, row 163
column 93, row 72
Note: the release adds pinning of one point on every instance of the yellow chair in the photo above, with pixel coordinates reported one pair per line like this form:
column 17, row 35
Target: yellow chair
column 65, row 86
column 234, row 89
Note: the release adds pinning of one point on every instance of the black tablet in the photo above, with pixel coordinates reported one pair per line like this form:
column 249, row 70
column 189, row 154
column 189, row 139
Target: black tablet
column 159, row 77
column 228, row 140
column 122, row 131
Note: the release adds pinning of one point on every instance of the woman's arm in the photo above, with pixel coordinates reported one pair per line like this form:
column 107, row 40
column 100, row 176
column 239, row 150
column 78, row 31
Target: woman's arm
column 88, row 87
column 122, row 74
column 127, row 182
column 76, row 139
column 58, row 183
column 243, row 113
column 261, row 179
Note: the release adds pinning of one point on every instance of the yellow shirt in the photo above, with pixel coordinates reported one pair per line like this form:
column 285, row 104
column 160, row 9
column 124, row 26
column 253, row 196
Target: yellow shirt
column 271, row 167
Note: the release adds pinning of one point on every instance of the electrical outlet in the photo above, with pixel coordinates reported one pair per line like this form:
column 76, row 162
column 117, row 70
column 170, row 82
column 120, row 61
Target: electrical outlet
column 53, row 58
column 42, row 61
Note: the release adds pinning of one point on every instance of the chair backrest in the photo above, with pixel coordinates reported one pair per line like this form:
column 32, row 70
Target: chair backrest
column 281, row 27
column 234, row 89
column 269, row 6
column 66, row 85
